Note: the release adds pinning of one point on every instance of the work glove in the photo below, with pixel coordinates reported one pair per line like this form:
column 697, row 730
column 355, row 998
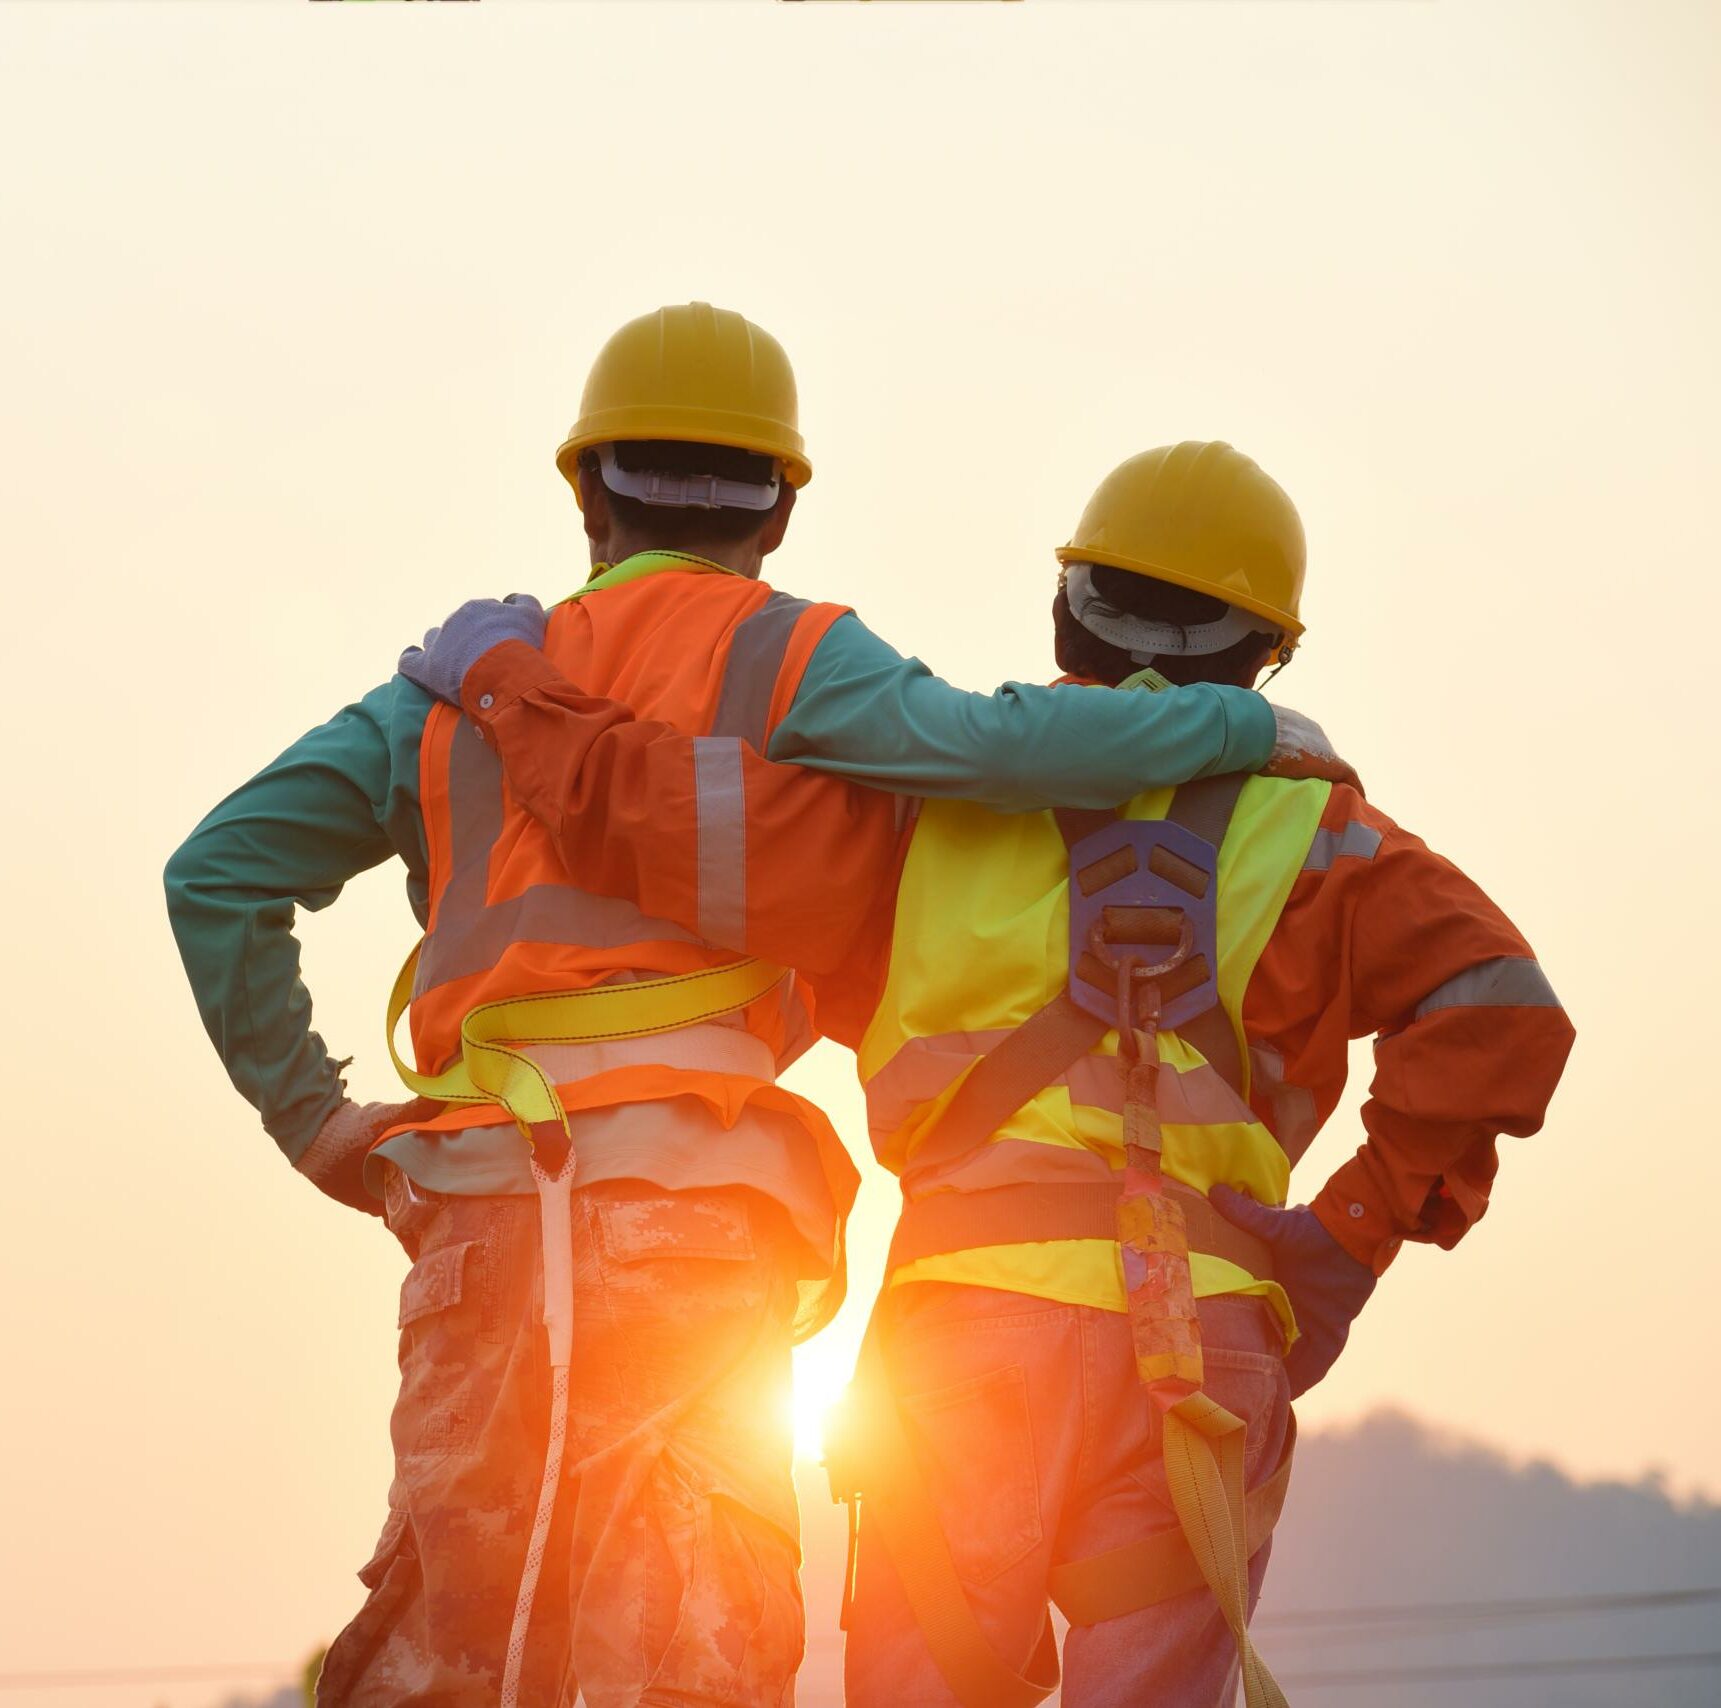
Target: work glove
column 1327, row 1287
column 451, row 649
column 1301, row 749
column 335, row 1162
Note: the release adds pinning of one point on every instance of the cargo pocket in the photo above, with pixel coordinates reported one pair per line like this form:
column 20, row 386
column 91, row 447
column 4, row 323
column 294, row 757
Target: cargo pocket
column 691, row 1255
column 975, row 1441
column 438, row 1410
column 676, row 1225
column 391, row 1575
column 434, row 1283
column 389, row 1545
column 740, row 1630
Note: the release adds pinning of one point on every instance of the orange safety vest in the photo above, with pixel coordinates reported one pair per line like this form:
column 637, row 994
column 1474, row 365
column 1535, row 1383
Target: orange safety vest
column 681, row 641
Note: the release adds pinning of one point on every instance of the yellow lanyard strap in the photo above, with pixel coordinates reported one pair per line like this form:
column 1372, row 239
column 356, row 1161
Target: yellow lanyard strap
column 1204, row 1468
column 489, row 1071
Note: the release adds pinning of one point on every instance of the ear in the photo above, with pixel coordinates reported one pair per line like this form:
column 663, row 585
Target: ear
column 777, row 524
column 594, row 503
column 1062, row 625
column 1268, row 654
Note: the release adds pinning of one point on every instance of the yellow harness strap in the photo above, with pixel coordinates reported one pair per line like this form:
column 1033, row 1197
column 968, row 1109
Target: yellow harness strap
column 489, row 1071
column 1203, row 1450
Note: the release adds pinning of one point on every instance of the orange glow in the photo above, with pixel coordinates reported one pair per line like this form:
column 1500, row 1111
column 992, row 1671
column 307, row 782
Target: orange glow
column 821, row 1373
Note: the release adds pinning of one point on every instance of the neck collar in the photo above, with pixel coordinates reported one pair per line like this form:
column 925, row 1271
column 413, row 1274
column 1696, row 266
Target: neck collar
column 642, row 564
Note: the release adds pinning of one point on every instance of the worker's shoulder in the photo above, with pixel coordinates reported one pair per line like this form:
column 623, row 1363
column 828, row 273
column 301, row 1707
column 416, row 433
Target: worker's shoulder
column 1337, row 803
column 382, row 731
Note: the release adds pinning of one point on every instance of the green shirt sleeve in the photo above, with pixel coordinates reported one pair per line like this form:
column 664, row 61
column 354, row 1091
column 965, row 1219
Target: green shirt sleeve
column 341, row 799
column 865, row 712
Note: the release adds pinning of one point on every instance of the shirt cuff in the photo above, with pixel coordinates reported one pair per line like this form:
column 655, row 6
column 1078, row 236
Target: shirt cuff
column 501, row 676
column 295, row 1131
column 1364, row 1228
column 1250, row 729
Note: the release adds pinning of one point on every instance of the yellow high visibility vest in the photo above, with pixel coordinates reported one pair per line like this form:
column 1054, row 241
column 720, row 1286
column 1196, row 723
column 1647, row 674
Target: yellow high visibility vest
column 981, row 943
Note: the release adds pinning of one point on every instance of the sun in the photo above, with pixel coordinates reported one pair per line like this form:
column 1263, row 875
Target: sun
column 822, row 1371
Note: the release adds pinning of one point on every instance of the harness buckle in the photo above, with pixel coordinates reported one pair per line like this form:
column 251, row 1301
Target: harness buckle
column 1143, row 917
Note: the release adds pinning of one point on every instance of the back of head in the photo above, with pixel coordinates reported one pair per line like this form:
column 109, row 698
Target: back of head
column 1153, row 623
column 1188, row 558
column 684, row 496
column 690, row 421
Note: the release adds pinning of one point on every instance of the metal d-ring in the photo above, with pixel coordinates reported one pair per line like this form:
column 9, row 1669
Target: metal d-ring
column 1132, row 976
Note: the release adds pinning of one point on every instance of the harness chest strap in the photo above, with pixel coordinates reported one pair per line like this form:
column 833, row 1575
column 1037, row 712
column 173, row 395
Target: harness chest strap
column 1028, row 1214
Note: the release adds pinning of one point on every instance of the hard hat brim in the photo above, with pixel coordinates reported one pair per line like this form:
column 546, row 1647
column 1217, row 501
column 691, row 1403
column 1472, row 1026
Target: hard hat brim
column 1292, row 627
column 692, row 427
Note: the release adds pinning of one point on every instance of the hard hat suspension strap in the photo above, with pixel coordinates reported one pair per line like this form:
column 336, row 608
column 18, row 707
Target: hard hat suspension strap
column 679, row 491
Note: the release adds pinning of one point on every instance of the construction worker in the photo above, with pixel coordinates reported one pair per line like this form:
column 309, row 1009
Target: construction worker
column 1080, row 1361
column 625, row 1518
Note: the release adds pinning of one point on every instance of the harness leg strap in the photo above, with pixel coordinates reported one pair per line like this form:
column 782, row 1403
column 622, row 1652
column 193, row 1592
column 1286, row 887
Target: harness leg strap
column 555, row 1209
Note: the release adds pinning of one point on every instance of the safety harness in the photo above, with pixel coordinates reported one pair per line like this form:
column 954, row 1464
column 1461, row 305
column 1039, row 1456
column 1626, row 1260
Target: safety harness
column 1143, row 957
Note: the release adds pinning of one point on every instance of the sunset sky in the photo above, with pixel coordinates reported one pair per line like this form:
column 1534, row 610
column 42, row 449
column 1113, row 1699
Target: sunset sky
column 295, row 305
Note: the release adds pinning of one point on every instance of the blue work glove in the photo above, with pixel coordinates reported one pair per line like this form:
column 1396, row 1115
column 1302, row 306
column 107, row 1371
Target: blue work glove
column 451, row 649
column 1327, row 1287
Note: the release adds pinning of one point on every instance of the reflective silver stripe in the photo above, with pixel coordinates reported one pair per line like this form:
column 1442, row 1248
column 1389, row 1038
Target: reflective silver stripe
column 1008, row 1162
column 470, row 936
column 474, row 823
column 925, row 1067
column 722, row 804
column 465, row 943
column 1192, row 1097
column 919, row 1071
column 1361, row 841
column 756, row 654
column 1513, row 981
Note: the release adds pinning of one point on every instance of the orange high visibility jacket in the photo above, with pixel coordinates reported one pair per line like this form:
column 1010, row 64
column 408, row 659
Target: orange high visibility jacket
column 507, row 917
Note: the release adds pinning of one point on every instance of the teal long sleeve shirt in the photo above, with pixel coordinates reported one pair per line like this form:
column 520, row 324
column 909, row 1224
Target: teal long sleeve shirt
column 344, row 798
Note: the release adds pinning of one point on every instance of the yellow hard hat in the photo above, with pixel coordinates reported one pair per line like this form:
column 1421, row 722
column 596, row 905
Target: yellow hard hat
column 694, row 373
column 1201, row 516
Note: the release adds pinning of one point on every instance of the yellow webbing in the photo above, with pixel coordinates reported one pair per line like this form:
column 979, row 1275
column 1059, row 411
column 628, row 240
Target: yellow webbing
column 1204, row 1466
column 490, row 1072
